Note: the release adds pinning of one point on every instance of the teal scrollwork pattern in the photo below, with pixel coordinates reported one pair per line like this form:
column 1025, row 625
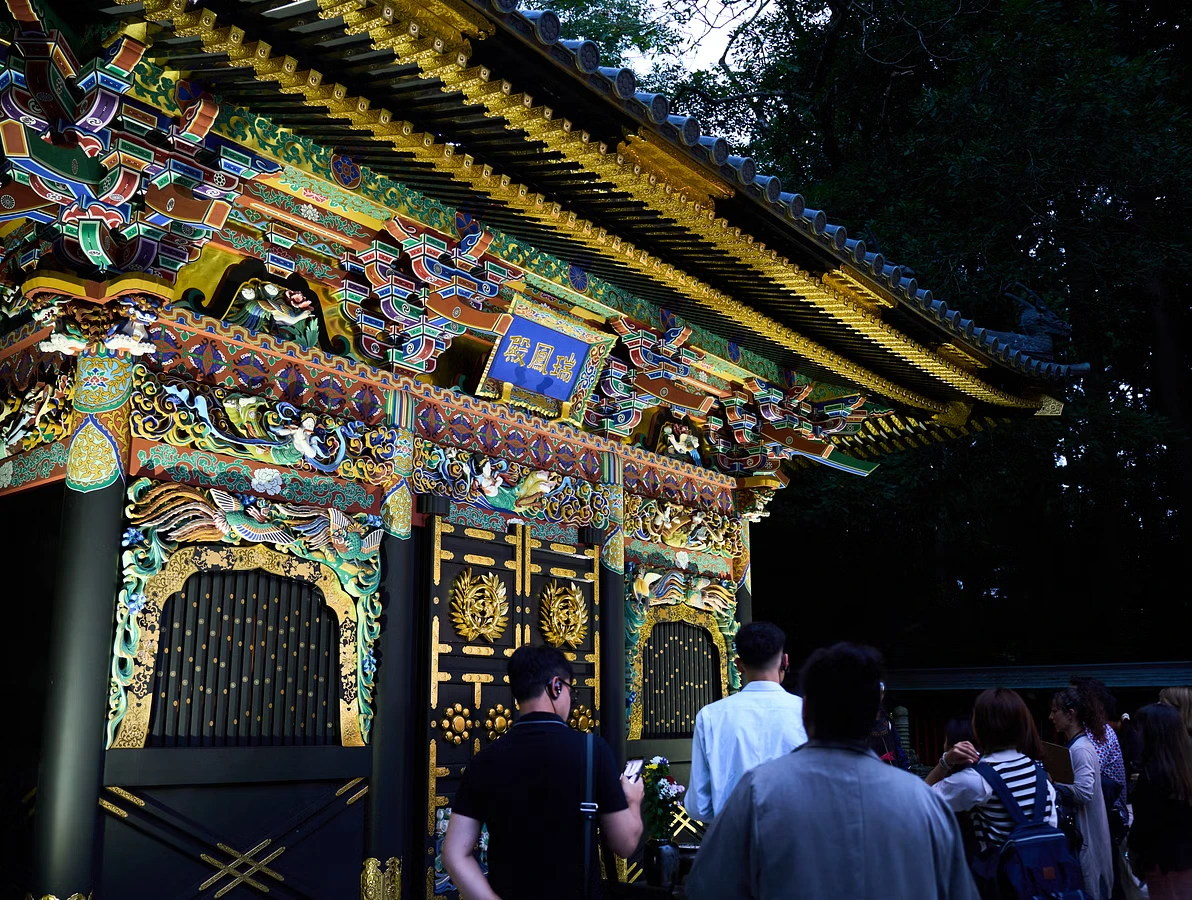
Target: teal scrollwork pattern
column 473, row 516
column 163, row 517
column 32, row 465
column 553, row 531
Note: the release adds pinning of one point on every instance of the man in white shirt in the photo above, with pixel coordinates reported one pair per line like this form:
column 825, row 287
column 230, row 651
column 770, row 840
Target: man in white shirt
column 758, row 724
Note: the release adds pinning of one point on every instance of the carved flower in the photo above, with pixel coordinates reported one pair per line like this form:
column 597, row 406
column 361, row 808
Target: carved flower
column 132, row 538
column 682, row 559
column 136, row 603
column 307, row 211
column 267, row 481
column 368, row 664
column 6, row 474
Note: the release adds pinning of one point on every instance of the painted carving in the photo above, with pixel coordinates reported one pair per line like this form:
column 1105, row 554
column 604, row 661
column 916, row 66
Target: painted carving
column 670, row 588
column 409, row 301
column 640, row 619
column 653, row 595
column 39, row 415
column 479, row 607
column 679, row 440
column 662, row 522
column 498, row 484
column 185, row 414
column 563, row 614
column 752, row 503
column 120, row 328
column 165, row 517
column 276, row 309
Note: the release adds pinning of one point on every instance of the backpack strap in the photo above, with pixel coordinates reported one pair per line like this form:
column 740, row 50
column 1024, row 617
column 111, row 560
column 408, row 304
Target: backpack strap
column 588, row 810
column 1013, row 810
column 1040, row 810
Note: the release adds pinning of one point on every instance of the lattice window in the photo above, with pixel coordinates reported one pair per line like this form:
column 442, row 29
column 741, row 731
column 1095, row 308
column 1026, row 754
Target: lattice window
column 246, row 658
column 681, row 674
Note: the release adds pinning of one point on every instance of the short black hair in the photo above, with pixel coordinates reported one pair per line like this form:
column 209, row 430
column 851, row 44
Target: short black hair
column 841, row 691
column 758, row 643
column 531, row 669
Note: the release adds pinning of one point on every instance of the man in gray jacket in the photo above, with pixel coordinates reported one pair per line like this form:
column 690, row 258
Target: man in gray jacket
column 830, row 819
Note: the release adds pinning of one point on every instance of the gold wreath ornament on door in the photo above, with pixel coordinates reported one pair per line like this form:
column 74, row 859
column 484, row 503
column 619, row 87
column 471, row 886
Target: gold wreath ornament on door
column 479, row 608
column 563, row 615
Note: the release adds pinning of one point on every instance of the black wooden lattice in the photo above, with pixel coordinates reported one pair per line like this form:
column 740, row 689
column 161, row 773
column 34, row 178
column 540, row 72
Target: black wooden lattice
column 681, row 674
column 246, row 658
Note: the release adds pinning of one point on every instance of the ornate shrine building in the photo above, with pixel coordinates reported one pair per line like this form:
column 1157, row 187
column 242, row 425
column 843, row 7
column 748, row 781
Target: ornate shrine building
column 349, row 346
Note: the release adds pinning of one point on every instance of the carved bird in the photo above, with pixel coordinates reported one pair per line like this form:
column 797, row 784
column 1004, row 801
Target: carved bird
column 248, row 522
column 350, row 539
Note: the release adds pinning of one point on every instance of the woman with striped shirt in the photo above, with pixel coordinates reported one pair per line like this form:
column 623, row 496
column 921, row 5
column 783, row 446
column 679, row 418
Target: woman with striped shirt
column 1006, row 733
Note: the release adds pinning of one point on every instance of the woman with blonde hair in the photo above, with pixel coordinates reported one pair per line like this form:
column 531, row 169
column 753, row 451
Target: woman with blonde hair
column 1181, row 699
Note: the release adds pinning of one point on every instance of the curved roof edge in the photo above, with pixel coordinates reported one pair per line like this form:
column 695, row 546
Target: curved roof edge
column 618, row 85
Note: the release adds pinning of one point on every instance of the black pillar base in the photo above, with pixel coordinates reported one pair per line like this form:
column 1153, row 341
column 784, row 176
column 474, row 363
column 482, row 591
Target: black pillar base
column 66, row 839
column 397, row 790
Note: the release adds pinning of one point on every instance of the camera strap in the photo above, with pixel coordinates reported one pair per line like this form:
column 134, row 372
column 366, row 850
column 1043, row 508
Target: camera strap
column 588, row 809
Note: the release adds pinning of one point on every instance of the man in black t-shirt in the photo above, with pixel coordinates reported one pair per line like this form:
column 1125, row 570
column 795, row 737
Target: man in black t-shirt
column 528, row 787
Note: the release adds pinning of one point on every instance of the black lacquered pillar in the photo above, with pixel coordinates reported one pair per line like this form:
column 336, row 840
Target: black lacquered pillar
column 612, row 655
column 66, row 836
column 611, row 577
column 396, row 727
column 741, row 571
column 393, row 843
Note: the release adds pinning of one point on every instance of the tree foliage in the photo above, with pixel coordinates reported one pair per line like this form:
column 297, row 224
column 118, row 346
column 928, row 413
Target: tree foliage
column 985, row 143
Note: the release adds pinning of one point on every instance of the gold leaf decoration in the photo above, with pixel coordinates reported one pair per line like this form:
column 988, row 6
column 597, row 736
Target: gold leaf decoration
column 478, row 606
column 499, row 720
column 563, row 614
column 582, row 719
column 457, row 723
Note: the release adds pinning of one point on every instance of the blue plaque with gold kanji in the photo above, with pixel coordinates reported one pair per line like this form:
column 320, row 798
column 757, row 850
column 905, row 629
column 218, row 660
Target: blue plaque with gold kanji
column 545, row 361
column 538, row 359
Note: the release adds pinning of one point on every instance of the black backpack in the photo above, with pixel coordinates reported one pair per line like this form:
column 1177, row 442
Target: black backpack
column 1118, row 826
column 1034, row 863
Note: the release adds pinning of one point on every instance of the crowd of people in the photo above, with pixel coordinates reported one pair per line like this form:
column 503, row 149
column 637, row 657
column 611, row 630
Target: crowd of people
column 808, row 795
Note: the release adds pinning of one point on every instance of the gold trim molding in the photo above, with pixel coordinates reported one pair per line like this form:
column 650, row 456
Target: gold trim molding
column 679, row 613
column 381, row 881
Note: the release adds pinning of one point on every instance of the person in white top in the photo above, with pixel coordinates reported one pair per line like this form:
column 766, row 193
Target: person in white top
column 753, row 726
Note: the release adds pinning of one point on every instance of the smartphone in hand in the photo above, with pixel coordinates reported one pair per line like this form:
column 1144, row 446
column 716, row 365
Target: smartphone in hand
column 633, row 768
